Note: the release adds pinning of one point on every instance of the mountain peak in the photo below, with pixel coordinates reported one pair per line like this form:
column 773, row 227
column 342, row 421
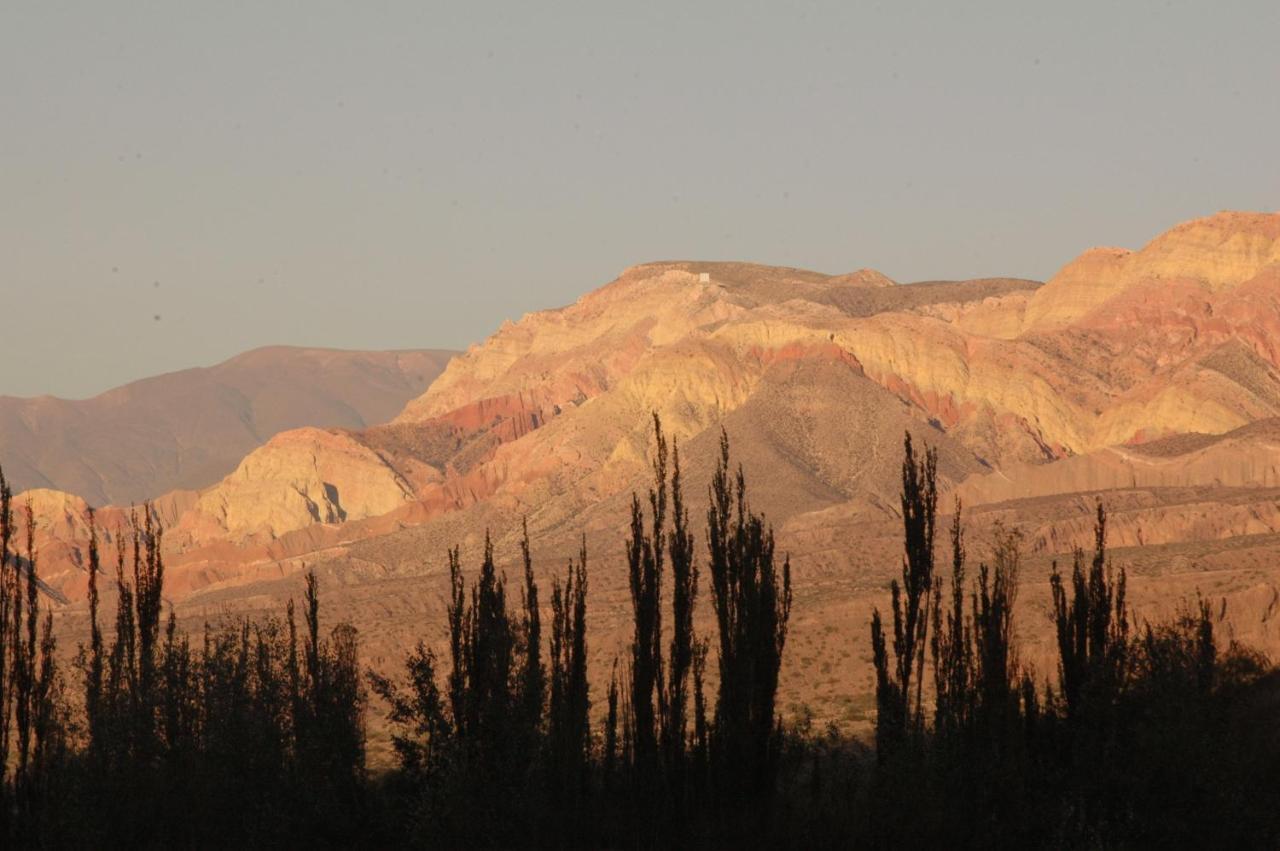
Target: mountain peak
column 1218, row 252
column 864, row 278
column 1222, row 251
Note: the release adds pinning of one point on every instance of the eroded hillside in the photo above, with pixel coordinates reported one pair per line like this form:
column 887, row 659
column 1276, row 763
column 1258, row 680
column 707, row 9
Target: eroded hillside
column 1149, row 376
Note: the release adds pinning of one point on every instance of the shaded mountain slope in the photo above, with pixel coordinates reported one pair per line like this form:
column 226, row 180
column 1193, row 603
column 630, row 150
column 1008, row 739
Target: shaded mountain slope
column 188, row 429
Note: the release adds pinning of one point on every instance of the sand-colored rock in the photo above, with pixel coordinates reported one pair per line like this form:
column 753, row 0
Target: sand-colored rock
column 1218, row 252
column 1248, row 457
column 298, row 478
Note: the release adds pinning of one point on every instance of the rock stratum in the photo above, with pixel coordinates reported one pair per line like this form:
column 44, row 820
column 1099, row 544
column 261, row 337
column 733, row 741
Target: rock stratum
column 1148, row 377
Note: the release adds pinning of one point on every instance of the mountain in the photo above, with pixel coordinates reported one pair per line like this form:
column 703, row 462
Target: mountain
column 1151, row 377
column 188, row 429
column 819, row 373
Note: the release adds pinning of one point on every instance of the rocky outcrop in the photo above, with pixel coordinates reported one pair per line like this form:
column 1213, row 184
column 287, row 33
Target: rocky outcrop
column 299, row 478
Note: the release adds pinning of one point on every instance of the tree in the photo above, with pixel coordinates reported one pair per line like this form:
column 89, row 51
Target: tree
column 91, row 660
column 1094, row 665
column 611, row 755
column 657, row 720
column 9, row 592
column 752, row 602
column 995, row 660
column 569, row 710
column 470, row 753
column 899, row 711
column 1092, row 628
column 645, row 562
column 25, row 645
column 533, row 676
column 329, row 720
column 489, row 698
column 952, row 645
column 681, row 655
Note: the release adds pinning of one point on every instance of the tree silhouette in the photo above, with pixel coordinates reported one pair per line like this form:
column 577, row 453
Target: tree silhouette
column 645, row 565
column 752, row 601
column 899, row 711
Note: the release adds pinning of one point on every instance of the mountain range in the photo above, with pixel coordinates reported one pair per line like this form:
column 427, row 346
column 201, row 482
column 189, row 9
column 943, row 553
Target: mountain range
column 1150, row 377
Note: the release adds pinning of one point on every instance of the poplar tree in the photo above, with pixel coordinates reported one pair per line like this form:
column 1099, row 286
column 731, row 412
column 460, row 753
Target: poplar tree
column 532, row 694
column 568, row 712
column 8, row 594
column 646, row 552
column 952, row 645
column 900, row 712
column 1092, row 627
column 681, row 653
column 751, row 596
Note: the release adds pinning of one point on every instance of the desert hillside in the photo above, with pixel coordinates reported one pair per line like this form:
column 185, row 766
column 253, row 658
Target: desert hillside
column 188, row 429
column 1150, row 377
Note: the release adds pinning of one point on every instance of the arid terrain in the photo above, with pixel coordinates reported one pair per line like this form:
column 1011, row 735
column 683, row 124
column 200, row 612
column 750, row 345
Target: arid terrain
column 188, row 429
column 1149, row 378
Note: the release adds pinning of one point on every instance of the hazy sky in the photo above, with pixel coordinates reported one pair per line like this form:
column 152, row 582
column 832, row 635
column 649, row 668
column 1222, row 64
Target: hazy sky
column 386, row 175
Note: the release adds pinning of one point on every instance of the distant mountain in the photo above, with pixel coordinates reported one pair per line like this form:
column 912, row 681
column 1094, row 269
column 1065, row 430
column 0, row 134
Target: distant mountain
column 188, row 429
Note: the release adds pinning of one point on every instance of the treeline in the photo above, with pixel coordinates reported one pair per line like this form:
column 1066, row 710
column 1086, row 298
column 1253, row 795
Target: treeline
column 500, row 751
column 253, row 737
column 1149, row 735
column 252, row 733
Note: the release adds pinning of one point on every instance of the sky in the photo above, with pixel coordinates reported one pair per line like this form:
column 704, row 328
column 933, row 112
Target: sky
column 182, row 182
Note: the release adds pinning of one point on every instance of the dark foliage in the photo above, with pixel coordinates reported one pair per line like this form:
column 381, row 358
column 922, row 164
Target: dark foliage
column 645, row 561
column 252, row 734
column 900, row 713
column 752, row 600
column 568, row 715
column 235, row 742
